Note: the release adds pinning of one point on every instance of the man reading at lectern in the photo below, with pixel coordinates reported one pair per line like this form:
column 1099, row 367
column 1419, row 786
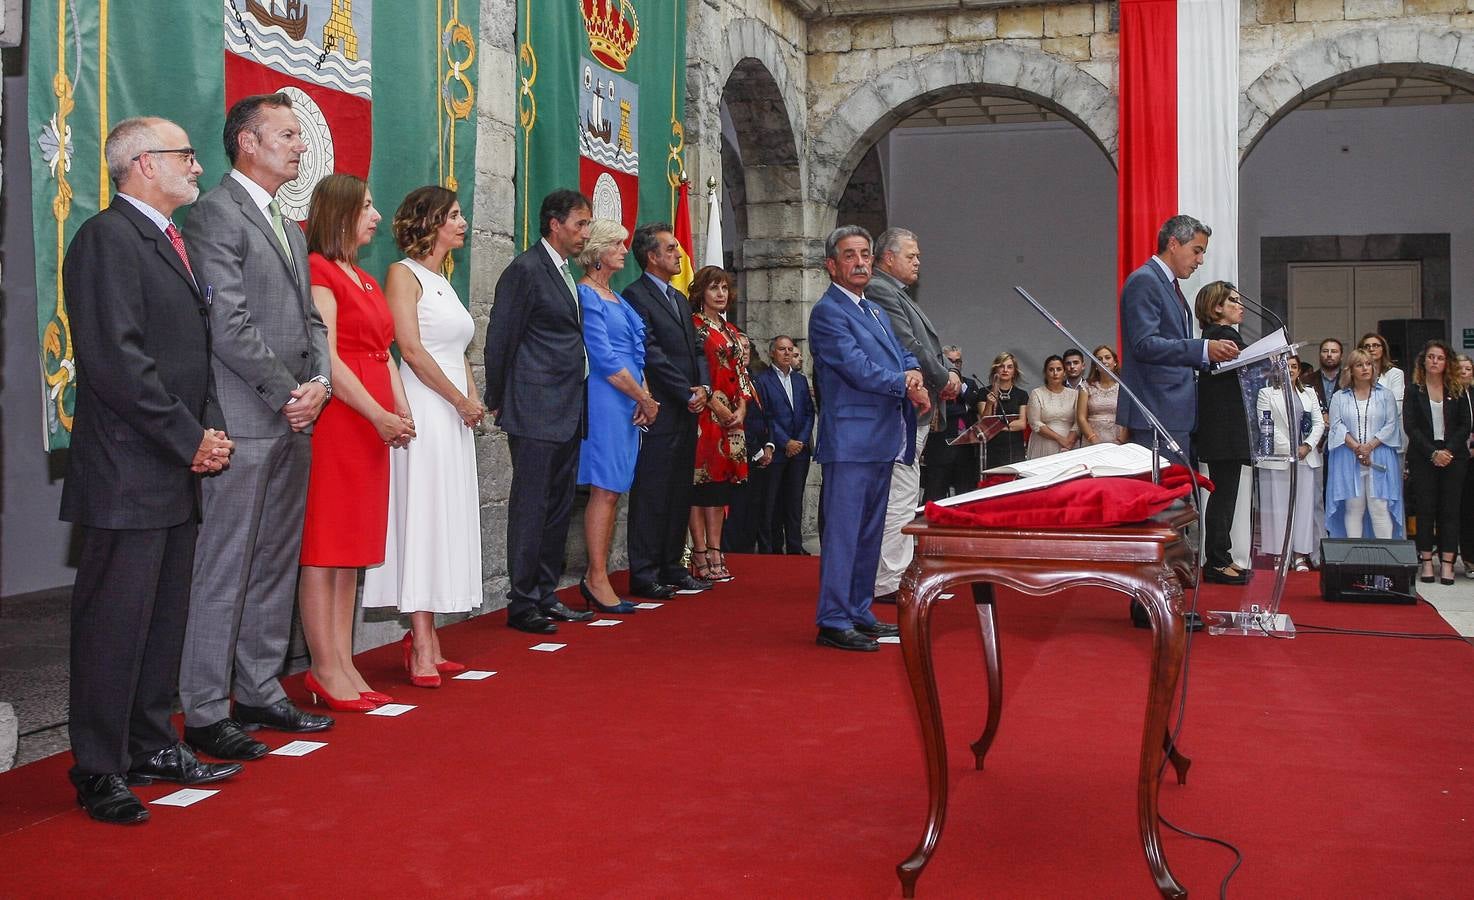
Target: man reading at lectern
column 1160, row 358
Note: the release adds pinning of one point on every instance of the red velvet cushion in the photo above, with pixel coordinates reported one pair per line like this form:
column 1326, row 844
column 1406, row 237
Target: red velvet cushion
column 1082, row 502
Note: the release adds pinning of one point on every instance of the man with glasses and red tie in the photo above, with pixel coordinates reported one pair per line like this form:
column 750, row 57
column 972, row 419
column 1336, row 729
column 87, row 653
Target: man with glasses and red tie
column 140, row 440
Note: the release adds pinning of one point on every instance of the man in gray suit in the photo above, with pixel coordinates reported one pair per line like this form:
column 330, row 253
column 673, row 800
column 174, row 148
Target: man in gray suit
column 271, row 375
column 897, row 267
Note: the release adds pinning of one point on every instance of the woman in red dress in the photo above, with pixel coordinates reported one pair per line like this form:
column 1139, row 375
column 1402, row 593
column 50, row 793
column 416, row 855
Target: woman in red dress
column 721, row 449
column 348, row 491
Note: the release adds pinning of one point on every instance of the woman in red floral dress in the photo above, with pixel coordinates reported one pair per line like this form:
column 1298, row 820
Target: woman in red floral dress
column 721, row 449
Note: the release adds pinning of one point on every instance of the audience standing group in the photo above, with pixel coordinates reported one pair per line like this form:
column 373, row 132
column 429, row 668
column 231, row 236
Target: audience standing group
column 196, row 546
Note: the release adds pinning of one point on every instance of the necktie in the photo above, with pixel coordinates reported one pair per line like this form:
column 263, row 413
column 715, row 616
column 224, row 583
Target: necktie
column 177, row 239
column 276, row 226
column 577, row 312
column 1180, row 298
column 675, row 299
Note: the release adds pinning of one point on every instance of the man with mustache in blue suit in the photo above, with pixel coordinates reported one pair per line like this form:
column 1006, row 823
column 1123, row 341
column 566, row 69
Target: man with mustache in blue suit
column 872, row 392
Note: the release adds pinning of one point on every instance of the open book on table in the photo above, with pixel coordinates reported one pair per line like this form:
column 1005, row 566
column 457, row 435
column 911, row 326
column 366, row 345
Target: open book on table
column 1098, row 460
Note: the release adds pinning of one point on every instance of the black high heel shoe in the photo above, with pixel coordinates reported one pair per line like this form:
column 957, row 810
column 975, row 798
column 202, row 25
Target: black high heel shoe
column 1447, row 561
column 1425, row 561
column 591, row 603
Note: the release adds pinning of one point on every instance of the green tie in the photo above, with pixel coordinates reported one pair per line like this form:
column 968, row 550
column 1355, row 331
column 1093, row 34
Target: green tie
column 276, row 225
column 568, row 280
column 577, row 311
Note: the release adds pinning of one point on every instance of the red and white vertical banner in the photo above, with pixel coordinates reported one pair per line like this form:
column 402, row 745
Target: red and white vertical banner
column 1179, row 129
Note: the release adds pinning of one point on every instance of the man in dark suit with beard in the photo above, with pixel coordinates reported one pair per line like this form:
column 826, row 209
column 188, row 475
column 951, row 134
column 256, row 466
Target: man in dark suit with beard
column 536, row 389
column 140, row 438
column 676, row 373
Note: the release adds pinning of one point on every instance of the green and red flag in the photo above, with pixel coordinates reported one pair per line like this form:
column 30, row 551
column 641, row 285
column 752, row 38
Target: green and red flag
column 600, row 99
column 383, row 80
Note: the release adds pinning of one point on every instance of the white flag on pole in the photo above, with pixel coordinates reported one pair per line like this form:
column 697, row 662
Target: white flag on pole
column 712, row 255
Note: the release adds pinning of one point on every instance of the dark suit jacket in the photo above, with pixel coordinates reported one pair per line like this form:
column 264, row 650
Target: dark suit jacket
column 860, row 366
column 787, row 421
column 1159, row 356
column 913, row 329
column 674, row 360
column 142, row 338
column 1417, row 419
column 1223, row 422
column 268, row 334
column 757, row 430
column 535, row 352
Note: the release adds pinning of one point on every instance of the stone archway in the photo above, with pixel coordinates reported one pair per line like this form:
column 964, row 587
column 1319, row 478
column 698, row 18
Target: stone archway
column 1423, row 51
column 1000, row 69
column 769, row 253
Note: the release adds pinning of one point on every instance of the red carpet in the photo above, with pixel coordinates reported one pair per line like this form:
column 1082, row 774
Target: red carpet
column 708, row 748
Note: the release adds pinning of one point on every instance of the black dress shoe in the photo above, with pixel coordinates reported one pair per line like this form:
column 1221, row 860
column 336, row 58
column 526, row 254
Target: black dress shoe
column 107, row 799
column 281, row 716
column 845, row 639
column 1219, row 576
column 225, row 739
column 690, row 584
column 179, row 765
column 887, row 598
column 532, row 622
column 652, row 590
column 561, row 613
column 879, row 630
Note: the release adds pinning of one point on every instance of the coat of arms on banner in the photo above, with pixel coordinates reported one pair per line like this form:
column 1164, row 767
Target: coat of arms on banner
column 318, row 53
column 608, row 129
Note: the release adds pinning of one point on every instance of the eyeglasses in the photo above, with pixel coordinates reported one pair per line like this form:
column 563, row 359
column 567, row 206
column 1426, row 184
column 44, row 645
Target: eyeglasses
column 1369, row 345
column 186, row 152
column 1235, row 301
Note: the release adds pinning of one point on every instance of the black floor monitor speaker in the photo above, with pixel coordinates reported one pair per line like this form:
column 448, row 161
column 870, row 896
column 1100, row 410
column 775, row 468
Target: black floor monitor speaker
column 1368, row 570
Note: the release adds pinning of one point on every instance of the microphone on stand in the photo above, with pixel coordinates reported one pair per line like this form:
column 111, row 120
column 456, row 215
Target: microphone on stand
column 1263, row 310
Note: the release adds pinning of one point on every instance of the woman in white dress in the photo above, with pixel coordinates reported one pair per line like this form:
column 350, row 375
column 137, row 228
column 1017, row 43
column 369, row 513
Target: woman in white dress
column 432, row 561
column 1274, row 474
column 1052, row 413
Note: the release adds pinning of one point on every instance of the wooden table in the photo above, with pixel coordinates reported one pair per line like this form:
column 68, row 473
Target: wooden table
column 1149, row 561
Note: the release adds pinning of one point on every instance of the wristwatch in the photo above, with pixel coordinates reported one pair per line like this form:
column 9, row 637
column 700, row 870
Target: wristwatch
column 326, row 385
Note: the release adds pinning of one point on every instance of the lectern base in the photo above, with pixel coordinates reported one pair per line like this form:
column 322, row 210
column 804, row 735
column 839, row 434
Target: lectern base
column 1250, row 623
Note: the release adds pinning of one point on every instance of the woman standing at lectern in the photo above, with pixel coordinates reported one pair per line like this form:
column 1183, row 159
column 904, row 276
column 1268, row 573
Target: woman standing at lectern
column 1222, row 436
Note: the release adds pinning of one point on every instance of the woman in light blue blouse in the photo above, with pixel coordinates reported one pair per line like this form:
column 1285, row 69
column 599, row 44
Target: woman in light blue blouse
column 1363, row 472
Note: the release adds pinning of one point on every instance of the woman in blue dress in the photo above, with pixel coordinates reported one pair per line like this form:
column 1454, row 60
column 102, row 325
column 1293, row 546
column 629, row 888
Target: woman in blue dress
column 1363, row 472
column 619, row 404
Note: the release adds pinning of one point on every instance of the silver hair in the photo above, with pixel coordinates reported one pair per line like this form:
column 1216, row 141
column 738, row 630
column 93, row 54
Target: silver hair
column 128, row 140
column 951, row 348
column 1183, row 228
column 603, row 234
column 831, row 243
column 773, row 344
column 890, row 240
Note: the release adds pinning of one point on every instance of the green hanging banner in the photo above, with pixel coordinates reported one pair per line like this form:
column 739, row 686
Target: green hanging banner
column 387, row 80
column 601, row 91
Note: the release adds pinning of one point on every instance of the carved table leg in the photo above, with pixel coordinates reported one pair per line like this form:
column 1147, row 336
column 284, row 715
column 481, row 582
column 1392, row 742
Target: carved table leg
column 982, row 596
column 915, row 605
column 1162, row 598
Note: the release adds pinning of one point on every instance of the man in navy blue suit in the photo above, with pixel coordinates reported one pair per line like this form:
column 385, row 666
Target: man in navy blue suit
column 1160, row 358
column 870, row 384
column 784, row 393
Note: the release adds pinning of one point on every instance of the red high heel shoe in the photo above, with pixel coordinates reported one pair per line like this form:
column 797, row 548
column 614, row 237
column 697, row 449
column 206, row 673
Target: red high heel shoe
column 424, row 681
column 323, row 698
column 450, row 668
column 376, row 697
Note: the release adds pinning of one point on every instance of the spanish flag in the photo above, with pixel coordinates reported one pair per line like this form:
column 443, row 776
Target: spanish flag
column 682, row 224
